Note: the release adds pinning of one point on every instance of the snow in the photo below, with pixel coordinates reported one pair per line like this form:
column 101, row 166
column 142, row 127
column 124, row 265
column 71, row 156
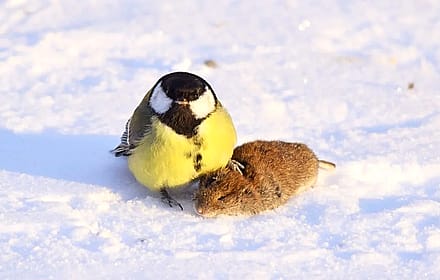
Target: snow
column 357, row 81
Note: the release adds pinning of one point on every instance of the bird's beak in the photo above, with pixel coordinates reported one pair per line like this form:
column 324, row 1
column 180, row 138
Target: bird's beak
column 182, row 102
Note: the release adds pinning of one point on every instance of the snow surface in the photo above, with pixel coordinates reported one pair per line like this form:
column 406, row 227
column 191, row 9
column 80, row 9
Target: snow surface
column 358, row 81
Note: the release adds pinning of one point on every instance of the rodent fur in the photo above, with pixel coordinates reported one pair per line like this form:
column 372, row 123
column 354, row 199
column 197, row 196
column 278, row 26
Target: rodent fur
column 273, row 172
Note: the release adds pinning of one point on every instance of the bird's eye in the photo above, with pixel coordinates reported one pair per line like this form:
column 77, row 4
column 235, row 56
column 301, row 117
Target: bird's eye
column 194, row 96
column 222, row 198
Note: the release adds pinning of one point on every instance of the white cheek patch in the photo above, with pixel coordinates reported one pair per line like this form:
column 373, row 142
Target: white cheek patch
column 204, row 105
column 159, row 101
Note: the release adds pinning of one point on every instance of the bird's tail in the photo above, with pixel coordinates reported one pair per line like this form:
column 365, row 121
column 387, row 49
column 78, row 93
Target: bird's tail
column 327, row 165
column 121, row 150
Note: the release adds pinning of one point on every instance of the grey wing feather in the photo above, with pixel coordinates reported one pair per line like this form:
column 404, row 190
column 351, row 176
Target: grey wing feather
column 135, row 129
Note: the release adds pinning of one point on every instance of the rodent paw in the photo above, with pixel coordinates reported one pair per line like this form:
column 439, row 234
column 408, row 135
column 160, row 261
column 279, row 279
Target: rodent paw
column 236, row 166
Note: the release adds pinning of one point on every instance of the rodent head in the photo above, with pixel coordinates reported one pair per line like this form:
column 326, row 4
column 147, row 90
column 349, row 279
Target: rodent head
column 224, row 192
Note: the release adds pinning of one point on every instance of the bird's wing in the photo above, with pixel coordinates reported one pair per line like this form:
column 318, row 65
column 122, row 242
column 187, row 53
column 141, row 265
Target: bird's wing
column 136, row 128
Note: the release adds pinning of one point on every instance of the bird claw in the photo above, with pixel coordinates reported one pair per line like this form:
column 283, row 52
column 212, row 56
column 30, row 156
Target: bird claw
column 236, row 166
column 167, row 199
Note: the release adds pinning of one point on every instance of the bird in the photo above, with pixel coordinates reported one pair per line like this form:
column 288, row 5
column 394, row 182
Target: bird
column 178, row 132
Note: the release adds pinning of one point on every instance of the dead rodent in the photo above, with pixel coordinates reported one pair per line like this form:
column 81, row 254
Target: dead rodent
column 273, row 172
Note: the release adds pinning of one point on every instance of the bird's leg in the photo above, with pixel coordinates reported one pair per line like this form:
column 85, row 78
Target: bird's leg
column 236, row 166
column 167, row 199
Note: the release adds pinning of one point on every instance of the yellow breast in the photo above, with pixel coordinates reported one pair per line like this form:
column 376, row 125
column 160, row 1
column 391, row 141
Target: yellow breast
column 167, row 159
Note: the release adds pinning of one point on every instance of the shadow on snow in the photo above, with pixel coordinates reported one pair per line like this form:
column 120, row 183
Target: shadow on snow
column 79, row 158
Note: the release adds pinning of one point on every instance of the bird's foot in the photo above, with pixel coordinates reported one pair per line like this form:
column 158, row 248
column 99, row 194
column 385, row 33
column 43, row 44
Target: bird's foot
column 236, row 166
column 167, row 199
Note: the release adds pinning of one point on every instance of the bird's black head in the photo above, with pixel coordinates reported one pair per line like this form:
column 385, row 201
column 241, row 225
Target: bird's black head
column 183, row 100
column 183, row 86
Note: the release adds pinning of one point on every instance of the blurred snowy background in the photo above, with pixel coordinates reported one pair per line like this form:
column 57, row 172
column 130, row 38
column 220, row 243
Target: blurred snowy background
column 358, row 81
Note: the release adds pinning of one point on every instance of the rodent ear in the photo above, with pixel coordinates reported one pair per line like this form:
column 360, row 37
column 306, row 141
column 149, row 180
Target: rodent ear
column 210, row 179
column 206, row 180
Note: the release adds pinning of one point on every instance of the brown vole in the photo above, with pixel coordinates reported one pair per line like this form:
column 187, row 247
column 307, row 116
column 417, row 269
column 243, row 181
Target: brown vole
column 273, row 171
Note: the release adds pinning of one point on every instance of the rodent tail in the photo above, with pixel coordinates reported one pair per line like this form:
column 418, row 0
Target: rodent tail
column 327, row 165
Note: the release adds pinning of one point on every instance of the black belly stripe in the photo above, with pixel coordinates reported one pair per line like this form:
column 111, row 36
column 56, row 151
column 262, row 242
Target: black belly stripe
column 198, row 162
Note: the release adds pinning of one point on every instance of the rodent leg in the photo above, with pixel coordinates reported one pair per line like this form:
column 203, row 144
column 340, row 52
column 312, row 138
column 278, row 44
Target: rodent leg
column 167, row 199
